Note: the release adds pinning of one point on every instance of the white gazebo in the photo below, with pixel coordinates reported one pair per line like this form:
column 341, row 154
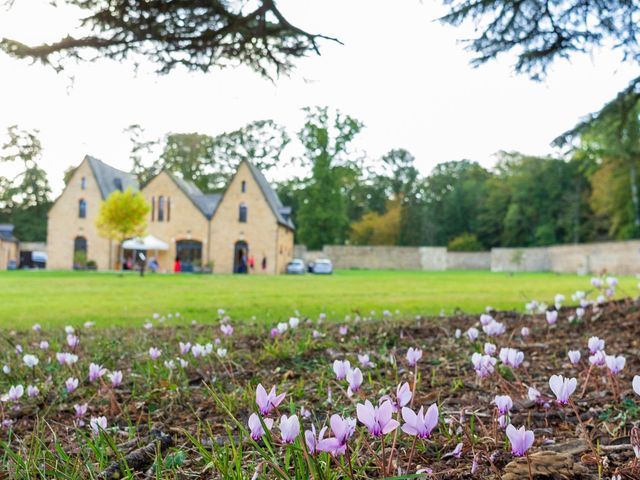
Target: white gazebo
column 145, row 243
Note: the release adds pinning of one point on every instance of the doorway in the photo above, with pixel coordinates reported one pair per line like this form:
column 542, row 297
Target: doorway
column 240, row 256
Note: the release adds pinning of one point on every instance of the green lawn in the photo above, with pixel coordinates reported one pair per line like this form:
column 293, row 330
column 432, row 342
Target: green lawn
column 62, row 298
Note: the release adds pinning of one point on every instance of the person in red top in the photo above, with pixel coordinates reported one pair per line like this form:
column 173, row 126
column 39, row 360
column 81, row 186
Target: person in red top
column 252, row 262
column 176, row 265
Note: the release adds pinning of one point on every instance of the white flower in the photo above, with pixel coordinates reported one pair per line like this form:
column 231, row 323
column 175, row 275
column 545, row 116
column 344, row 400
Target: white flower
column 97, row 424
column 30, row 360
column 294, row 322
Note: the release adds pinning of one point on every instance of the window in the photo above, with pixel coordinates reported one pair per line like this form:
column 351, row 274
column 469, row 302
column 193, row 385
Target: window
column 82, row 208
column 117, row 182
column 153, row 209
column 83, row 183
column 244, row 186
column 168, row 209
column 161, row 208
column 242, row 215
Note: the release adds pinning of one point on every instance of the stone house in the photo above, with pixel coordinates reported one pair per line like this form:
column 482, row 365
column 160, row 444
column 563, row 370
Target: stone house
column 222, row 231
column 8, row 246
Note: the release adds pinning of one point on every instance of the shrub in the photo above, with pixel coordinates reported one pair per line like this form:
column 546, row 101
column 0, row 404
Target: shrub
column 465, row 243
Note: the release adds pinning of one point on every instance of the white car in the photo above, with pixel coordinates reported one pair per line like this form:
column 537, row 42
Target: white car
column 322, row 266
column 296, row 266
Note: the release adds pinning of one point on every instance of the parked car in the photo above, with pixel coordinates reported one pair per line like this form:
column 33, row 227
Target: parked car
column 295, row 266
column 323, row 266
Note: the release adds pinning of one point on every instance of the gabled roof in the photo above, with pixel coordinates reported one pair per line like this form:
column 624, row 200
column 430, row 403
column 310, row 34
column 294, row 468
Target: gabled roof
column 207, row 203
column 110, row 179
column 281, row 212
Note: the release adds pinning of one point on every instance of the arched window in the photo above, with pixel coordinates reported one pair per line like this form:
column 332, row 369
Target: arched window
column 83, row 183
column 242, row 213
column 161, row 208
column 82, row 208
column 244, row 186
column 79, row 252
column 168, row 209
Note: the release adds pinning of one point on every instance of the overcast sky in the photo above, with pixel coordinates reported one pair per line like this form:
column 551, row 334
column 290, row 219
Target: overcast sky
column 400, row 72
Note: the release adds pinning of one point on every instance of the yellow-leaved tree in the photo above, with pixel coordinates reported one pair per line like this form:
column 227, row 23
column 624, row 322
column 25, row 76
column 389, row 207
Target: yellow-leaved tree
column 123, row 215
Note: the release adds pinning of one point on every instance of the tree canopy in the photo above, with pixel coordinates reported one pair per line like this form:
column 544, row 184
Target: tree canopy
column 538, row 32
column 196, row 34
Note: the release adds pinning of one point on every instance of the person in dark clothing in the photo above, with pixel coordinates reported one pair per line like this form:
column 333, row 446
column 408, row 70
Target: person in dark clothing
column 264, row 264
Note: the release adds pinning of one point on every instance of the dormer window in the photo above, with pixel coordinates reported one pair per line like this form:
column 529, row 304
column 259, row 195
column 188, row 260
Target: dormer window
column 117, row 182
column 83, row 183
column 82, row 208
column 243, row 186
column 242, row 213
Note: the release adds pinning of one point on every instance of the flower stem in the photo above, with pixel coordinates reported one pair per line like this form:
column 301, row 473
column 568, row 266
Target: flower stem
column 529, row 466
column 413, row 448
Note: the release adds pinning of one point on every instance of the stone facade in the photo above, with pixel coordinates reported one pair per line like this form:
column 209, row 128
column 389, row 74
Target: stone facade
column 66, row 228
column 203, row 230
column 8, row 251
column 181, row 221
column 264, row 237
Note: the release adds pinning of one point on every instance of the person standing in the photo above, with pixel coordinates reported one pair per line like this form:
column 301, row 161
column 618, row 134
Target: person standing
column 252, row 263
column 264, row 264
column 176, row 265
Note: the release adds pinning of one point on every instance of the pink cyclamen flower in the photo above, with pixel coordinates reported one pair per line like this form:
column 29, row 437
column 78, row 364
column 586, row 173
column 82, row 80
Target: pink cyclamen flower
column 96, row 371
column 494, row 329
column 574, row 356
column 289, row 428
column 485, row 319
column 552, row 316
column 413, row 356
column 525, row 332
column 268, row 402
column 484, row 365
column 65, row 358
column 354, row 377
column 72, row 340
column 521, row 440
column 473, row 333
column 489, row 348
column 97, row 424
column 36, row 327
column 503, row 403
column 33, row 391
column 402, row 398
column 598, row 359
column 534, row 395
column 511, row 357
column 30, row 360
column 312, row 440
column 636, row 384
column 81, row 409
column 116, row 378
column 226, row 329
column 43, row 345
column 420, row 425
column 364, row 361
column 341, row 368
column 255, row 426
column 154, row 353
column 595, row 344
column 343, row 330
column 15, row 393
column 316, row 334
column 71, row 384
column 615, row 364
column 184, row 348
column 342, row 430
column 503, row 421
column 456, row 452
column 562, row 387
column 377, row 419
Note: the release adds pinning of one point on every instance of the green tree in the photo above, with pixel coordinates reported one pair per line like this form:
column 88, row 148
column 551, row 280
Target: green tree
column 123, row 215
column 25, row 196
column 322, row 216
column 194, row 34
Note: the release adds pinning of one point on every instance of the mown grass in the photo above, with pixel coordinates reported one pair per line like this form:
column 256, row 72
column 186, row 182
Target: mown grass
column 71, row 298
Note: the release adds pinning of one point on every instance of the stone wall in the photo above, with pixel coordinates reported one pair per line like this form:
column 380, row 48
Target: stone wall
column 621, row 258
column 468, row 260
